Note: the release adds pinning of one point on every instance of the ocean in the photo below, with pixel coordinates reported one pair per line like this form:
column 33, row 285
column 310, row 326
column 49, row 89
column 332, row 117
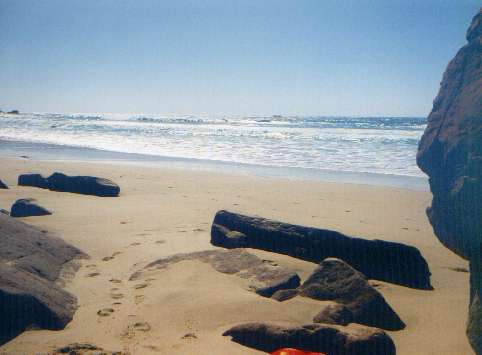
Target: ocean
column 379, row 150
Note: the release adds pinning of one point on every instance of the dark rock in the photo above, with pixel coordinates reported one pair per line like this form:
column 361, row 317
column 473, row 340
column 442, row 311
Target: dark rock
column 335, row 314
column 264, row 278
column 450, row 153
column 35, row 180
column 4, row 212
column 26, row 207
column 284, row 295
column 329, row 339
column 3, row 185
column 87, row 185
column 334, row 280
column 31, row 262
column 85, row 348
column 13, row 112
column 377, row 259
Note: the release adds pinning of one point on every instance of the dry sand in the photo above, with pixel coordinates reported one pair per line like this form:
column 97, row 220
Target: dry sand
column 161, row 212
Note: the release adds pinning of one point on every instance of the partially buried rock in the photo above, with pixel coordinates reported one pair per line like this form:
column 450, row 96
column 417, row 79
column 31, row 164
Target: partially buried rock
column 87, row 185
column 264, row 279
column 26, row 207
column 3, row 185
column 325, row 338
column 377, row 259
column 359, row 302
column 31, row 264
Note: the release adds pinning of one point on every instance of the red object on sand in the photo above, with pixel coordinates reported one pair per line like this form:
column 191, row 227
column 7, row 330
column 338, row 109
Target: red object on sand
column 290, row 351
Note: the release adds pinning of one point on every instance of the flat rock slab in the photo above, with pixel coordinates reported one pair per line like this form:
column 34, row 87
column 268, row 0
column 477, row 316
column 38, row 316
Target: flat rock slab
column 31, row 262
column 377, row 259
column 325, row 338
column 87, row 185
column 26, row 207
column 265, row 278
column 357, row 301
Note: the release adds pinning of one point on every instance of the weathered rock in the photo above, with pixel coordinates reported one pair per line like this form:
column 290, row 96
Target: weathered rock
column 329, row 339
column 35, row 180
column 450, row 153
column 3, row 185
column 334, row 280
column 377, row 259
column 335, row 314
column 26, row 207
column 265, row 278
column 31, row 262
column 87, row 185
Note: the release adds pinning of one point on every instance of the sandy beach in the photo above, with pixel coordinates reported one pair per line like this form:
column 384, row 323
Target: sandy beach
column 161, row 212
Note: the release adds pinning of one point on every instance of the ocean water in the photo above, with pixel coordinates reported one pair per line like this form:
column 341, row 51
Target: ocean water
column 351, row 145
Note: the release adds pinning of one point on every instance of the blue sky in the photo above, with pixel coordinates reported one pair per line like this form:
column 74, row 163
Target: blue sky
column 321, row 57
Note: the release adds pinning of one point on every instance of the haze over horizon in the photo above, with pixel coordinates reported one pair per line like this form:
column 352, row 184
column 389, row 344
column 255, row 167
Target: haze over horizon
column 377, row 58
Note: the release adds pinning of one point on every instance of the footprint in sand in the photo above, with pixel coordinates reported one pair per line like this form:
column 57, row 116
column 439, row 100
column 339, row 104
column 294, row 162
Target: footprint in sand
column 161, row 241
column 198, row 230
column 117, row 303
column 105, row 312
column 189, row 336
column 90, row 266
column 139, row 299
column 141, row 285
column 115, row 281
column 142, row 326
column 134, row 244
column 107, row 258
column 93, row 274
column 116, row 296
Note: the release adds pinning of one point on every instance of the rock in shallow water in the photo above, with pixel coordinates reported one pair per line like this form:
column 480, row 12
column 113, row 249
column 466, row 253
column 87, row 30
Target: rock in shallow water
column 26, row 207
column 377, row 259
column 31, row 262
column 329, row 339
column 87, row 185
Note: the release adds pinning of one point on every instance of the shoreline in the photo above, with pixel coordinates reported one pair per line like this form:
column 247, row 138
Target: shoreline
column 60, row 153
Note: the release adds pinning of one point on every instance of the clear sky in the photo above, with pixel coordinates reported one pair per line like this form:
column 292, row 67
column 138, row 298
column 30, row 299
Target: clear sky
column 321, row 57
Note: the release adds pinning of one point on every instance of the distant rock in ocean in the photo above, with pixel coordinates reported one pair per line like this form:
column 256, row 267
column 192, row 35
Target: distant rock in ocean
column 87, row 185
column 26, row 207
column 31, row 262
column 450, row 153
column 376, row 259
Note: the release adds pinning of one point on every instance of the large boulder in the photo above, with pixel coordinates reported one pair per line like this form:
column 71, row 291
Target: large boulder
column 31, row 262
column 377, row 259
column 3, row 185
column 87, row 185
column 450, row 153
column 26, row 207
column 325, row 338
column 358, row 301
column 264, row 278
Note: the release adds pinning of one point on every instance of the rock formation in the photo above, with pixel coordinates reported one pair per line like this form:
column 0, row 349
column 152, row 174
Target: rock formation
column 87, row 185
column 377, row 259
column 325, row 338
column 31, row 262
column 3, row 185
column 450, row 153
column 26, row 207
column 264, row 277
column 357, row 301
